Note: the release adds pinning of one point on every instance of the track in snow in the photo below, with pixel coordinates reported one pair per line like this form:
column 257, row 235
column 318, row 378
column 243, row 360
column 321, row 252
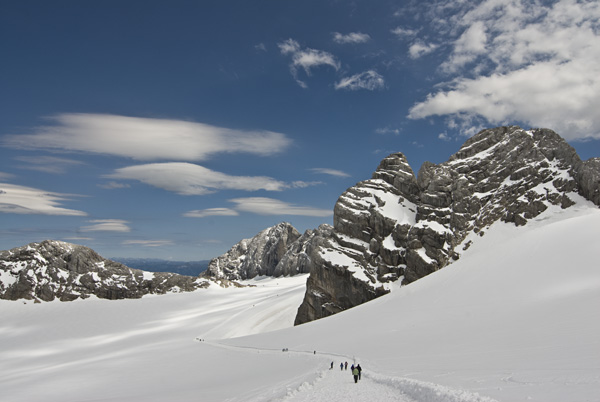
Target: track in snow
column 338, row 385
column 335, row 385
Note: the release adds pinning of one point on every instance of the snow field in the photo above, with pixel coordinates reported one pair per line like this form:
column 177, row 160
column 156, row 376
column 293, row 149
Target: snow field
column 515, row 319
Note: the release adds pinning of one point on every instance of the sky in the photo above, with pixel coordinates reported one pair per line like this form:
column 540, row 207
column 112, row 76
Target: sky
column 175, row 129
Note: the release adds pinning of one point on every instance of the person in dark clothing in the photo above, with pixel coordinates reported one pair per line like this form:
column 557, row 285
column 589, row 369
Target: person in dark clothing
column 342, row 366
column 359, row 370
column 346, row 366
column 331, row 368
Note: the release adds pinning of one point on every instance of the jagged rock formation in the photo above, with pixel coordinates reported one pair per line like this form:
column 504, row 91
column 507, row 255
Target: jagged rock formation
column 57, row 270
column 261, row 256
column 398, row 226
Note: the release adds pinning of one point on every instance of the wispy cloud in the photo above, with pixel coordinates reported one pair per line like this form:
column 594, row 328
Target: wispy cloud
column 17, row 199
column 106, row 225
column 203, row 213
column 190, row 179
column 387, row 130
column 353, row 37
column 148, row 243
column 47, row 164
column 420, row 48
column 404, row 33
column 270, row 206
column 6, row 176
column 369, row 80
column 331, row 172
column 306, row 58
column 259, row 206
column 112, row 185
column 146, row 138
column 520, row 61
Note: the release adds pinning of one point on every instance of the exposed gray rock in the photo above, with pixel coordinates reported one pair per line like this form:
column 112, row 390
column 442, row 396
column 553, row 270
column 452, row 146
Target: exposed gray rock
column 57, row 270
column 258, row 256
column 398, row 226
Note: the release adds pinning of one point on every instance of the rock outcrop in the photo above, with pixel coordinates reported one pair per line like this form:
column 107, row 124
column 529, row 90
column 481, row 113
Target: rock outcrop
column 259, row 256
column 57, row 270
column 398, row 226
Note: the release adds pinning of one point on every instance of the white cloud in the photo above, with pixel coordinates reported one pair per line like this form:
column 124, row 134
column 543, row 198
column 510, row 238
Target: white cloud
column 369, row 80
column 6, row 176
column 107, row 225
column 145, row 138
column 403, row 33
column 190, row 179
column 444, row 136
column 420, row 48
column 202, row 213
column 113, row 185
column 524, row 62
column 353, row 37
column 306, row 59
column 331, row 172
column 388, row 130
column 47, row 164
column 270, row 206
column 148, row 243
column 17, row 199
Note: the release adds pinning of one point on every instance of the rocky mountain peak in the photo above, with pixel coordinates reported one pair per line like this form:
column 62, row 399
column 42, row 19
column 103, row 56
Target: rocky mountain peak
column 399, row 227
column 58, row 270
column 258, row 256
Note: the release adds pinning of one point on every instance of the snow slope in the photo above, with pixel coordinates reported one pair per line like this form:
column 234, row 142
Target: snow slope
column 517, row 318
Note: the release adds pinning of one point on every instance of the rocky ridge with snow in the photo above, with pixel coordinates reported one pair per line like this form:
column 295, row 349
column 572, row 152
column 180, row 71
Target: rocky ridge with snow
column 275, row 251
column 402, row 226
column 398, row 226
column 58, row 270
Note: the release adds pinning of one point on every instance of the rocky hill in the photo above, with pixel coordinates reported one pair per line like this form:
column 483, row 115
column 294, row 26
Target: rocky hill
column 57, row 270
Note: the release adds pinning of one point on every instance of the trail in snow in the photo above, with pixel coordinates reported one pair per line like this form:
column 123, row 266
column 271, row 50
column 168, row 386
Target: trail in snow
column 336, row 385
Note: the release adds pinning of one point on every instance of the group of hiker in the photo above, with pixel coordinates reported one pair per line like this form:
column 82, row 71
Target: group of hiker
column 355, row 370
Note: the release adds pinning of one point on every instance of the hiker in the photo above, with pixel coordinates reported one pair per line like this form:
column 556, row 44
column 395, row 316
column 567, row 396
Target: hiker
column 355, row 373
column 346, row 366
column 342, row 366
column 331, row 368
column 359, row 370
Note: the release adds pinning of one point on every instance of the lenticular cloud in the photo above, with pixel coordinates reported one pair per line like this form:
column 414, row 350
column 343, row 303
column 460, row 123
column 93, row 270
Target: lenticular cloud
column 146, row 138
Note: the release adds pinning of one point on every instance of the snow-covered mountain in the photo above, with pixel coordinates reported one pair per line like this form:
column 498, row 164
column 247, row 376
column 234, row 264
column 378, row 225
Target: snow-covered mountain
column 401, row 226
column 513, row 318
column 58, row 270
column 514, row 326
column 398, row 226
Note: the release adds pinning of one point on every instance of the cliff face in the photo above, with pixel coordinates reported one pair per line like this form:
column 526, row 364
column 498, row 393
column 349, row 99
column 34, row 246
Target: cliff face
column 57, row 270
column 398, row 226
column 258, row 256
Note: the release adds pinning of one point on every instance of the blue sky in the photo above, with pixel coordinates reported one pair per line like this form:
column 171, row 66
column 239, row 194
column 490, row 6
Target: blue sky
column 175, row 129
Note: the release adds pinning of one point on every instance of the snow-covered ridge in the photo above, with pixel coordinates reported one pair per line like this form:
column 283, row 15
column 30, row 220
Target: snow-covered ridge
column 414, row 226
column 57, row 270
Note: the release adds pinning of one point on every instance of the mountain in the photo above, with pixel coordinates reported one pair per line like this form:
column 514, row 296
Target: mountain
column 188, row 268
column 57, row 270
column 515, row 319
column 402, row 226
column 258, row 256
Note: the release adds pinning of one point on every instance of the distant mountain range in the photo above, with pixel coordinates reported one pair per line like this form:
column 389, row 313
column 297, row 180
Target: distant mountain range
column 189, row 268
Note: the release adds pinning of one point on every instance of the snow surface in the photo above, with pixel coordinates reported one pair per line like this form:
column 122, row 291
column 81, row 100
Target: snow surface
column 517, row 318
